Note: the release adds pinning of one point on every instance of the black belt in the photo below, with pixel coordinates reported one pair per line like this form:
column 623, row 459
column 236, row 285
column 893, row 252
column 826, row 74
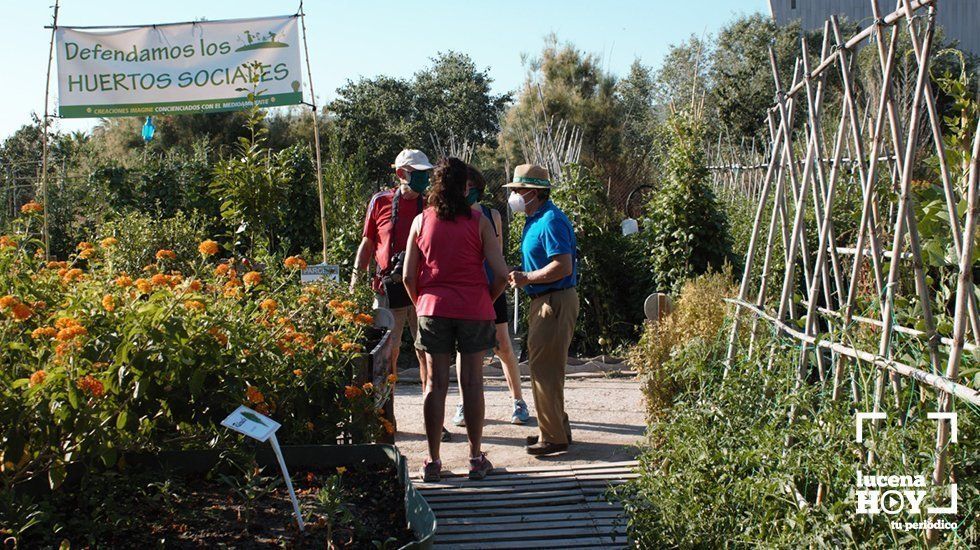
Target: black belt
column 547, row 292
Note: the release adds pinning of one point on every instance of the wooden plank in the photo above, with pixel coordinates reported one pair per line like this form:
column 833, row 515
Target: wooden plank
column 493, row 476
column 606, row 526
column 515, row 478
column 507, row 503
column 624, row 464
column 530, row 518
column 535, row 509
column 460, row 496
column 600, row 542
column 525, row 535
column 524, row 486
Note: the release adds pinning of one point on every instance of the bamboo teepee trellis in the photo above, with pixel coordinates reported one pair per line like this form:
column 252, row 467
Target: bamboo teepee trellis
column 871, row 148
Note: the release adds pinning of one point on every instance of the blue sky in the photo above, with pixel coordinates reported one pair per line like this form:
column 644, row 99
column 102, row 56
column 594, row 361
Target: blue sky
column 349, row 39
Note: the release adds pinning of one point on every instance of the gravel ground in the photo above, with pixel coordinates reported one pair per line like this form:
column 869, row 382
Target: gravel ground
column 606, row 414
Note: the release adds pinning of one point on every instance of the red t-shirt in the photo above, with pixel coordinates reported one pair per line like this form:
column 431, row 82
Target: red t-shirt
column 452, row 281
column 377, row 224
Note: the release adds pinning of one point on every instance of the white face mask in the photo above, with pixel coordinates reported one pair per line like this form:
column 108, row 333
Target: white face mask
column 516, row 202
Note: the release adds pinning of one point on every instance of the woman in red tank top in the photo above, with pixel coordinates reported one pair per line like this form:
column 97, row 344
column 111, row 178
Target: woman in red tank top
column 445, row 277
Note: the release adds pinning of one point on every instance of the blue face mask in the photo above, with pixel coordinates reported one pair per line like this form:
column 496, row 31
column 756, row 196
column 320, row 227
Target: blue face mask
column 418, row 181
column 473, row 196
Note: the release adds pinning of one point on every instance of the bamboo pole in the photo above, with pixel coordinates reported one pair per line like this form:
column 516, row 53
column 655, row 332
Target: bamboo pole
column 44, row 135
column 316, row 136
column 964, row 294
column 941, row 383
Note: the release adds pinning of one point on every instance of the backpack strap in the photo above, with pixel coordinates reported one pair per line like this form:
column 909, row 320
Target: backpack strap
column 489, row 214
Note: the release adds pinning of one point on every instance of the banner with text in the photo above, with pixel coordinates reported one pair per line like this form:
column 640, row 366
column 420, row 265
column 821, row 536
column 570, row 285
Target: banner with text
column 201, row 67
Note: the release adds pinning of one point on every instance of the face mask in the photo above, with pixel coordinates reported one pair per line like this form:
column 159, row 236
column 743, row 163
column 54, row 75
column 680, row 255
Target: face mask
column 472, row 197
column 516, row 202
column 418, row 181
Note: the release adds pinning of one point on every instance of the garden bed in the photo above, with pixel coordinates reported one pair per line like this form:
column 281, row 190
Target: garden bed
column 357, row 496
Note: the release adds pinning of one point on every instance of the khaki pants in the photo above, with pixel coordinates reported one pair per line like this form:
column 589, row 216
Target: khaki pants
column 551, row 324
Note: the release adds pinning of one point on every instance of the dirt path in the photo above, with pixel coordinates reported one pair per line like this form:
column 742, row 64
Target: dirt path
column 606, row 415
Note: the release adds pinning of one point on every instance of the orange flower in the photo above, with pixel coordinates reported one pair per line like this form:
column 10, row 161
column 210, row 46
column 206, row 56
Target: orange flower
column 221, row 269
column 86, row 254
column 295, row 262
column 353, row 392
column 85, row 245
column 109, row 242
column 165, row 254
column 194, row 305
column 44, row 332
column 303, row 300
column 65, row 322
column 208, row 248
column 368, row 387
column 221, row 337
column 331, row 340
column 74, row 274
column 350, row 346
column 176, row 278
column 388, row 426
column 108, row 302
column 335, row 304
column 71, row 332
column 38, row 378
column 252, row 278
column 143, row 285
column 392, row 378
column 269, row 306
column 195, row 285
column 8, row 301
column 7, row 242
column 21, row 312
column 56, row 265
column 298, row 372
column 253, row 395
column 31, row 208
column 124, row 281
column 91, row 386
column 309, row 426
column 364, row 319
column 160, row 280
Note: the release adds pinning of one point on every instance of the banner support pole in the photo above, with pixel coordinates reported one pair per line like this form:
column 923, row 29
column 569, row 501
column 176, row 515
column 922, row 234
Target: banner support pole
column 316, row 136
column 44, row 136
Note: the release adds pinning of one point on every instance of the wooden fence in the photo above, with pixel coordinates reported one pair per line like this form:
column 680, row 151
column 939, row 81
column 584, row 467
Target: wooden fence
column 883, row 135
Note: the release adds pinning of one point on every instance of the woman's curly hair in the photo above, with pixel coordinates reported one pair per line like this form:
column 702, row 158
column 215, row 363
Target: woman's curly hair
column 448, row 193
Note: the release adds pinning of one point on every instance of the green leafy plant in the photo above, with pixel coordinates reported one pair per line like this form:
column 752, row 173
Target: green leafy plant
column 686, row 232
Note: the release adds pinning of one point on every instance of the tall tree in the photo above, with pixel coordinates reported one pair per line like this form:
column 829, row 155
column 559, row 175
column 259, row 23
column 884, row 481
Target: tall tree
column 564, row 83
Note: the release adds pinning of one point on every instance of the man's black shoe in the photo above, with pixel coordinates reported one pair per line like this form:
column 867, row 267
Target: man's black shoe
column 532, row 439
column 545, row 448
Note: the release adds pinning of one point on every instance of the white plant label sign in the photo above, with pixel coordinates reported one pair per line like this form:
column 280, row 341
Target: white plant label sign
column 253, row 424
column 316, row 272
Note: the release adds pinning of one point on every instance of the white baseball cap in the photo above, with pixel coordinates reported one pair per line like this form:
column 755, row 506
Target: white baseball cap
column 414, row 158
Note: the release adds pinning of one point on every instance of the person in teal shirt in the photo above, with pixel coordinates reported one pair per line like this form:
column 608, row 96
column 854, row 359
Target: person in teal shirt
column 549, row 276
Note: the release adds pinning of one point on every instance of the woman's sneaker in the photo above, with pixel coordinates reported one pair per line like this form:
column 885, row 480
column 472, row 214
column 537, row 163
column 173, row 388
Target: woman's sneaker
column 459, row 419
column 480, row 467
column 431, row 471
column 521, row 415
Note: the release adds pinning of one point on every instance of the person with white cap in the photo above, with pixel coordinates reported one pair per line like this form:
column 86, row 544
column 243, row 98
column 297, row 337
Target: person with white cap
column 549, row 277
column 385, row 236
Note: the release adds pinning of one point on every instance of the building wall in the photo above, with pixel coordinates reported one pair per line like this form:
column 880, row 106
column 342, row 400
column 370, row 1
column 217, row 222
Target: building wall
column 960, row 19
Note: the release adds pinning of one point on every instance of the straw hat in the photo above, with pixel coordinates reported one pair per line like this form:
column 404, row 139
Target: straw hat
column 530, row 176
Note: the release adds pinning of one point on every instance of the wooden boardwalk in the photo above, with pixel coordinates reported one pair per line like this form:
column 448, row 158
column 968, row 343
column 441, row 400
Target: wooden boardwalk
column 528, row 508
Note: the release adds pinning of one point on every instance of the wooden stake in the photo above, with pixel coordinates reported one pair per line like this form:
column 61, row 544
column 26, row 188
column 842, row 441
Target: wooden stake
column 316, row 136
column 44, row 135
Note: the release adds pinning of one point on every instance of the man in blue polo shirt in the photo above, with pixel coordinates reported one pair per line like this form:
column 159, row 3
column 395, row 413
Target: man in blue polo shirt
column 549, row 278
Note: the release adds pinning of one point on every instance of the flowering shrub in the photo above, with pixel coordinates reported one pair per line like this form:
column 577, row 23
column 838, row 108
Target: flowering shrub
column 96, row 362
